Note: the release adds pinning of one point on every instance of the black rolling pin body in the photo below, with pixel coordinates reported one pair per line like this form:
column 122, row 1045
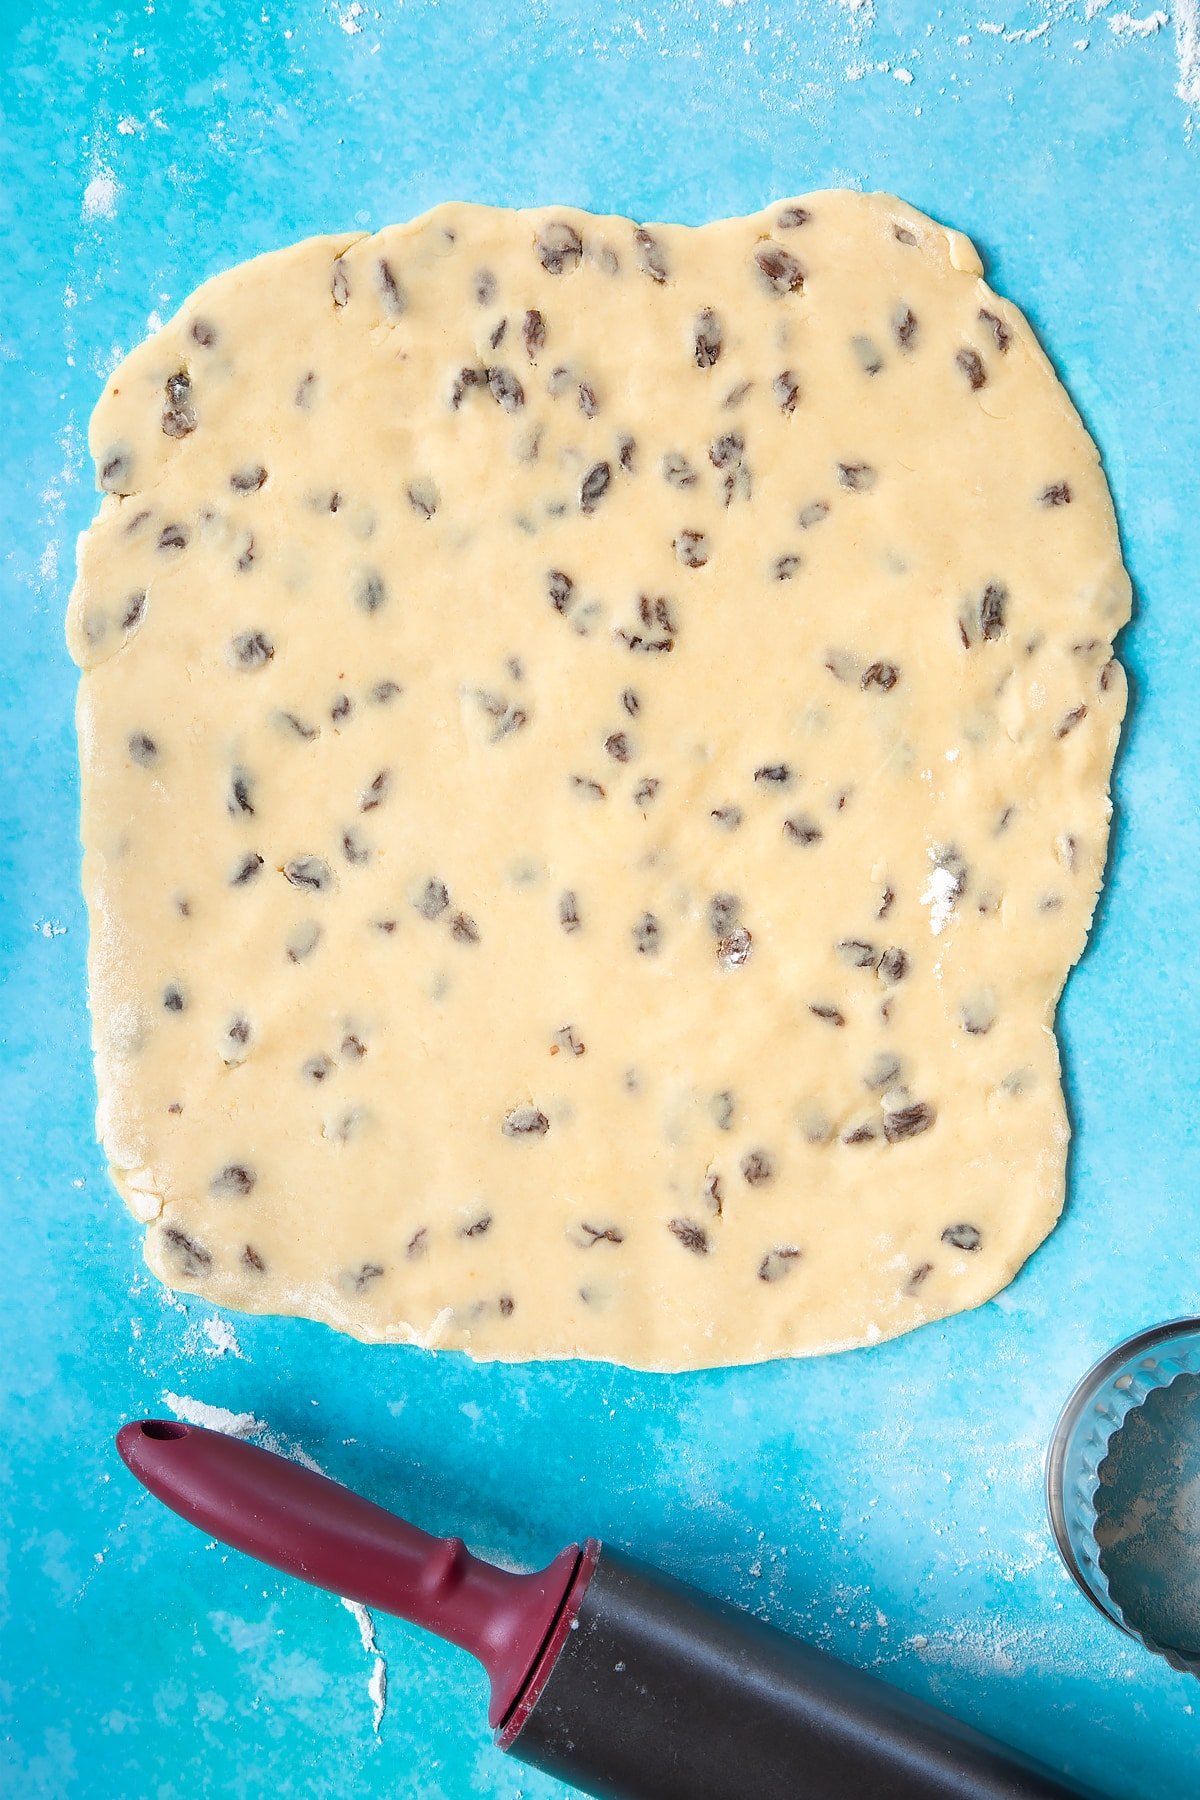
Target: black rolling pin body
column 660, row 1693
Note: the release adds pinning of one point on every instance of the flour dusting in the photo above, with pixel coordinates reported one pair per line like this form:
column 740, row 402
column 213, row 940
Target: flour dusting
column 1124, row 25
column 1187, row 50
column 100, row 196
column 1048, row 35
column 213, row 1418
column 213, row 1337
column 222, row 1340
column 939, row 895
column 377, row 1682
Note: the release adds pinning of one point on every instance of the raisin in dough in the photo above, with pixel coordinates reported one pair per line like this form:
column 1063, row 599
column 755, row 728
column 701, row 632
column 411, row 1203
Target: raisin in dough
column 595, row 748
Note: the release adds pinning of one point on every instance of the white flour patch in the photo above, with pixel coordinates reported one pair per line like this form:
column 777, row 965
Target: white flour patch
column 806, row 68
column 213, row 1418
column 100, row 196
column 1124, row 25
column 54, row 496
column 213, row 1337
column 377, row 1683
column 940, row 893
column 221, row 1338
column 286, row 1447
column 377, row 1690
column 1187, row 49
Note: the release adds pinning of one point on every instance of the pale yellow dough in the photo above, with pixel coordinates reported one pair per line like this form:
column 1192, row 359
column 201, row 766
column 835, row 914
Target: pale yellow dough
column 751, row 618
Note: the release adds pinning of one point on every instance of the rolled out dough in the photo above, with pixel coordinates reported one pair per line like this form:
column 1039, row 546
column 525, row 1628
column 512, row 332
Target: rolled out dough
column 595, row 748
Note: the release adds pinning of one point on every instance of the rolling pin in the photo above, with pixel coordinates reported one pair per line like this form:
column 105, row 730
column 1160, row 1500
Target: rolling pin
column 612, row 1677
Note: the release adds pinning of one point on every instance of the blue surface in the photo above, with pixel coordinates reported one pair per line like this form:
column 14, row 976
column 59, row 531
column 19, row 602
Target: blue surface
column 886, row 1503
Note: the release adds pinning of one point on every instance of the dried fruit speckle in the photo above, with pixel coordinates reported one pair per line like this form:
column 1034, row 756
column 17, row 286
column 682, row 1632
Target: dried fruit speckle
column 733, row 950
column 594, row 486
column 708, row 339
column 692, row 1236
column 559, row 248
column 652, row 259
column 998, row 329
column 904, row 327
column 234, row 1181
column 647, row 935
column 779, row 1262
column 691, row 547
column 785, row 390
column 970, row 364
column 524, row 1122
column 778, row 269
column 533, row 334
column 143, row 749
column 757, row 1168
column 433, row 899
column 907, row 1121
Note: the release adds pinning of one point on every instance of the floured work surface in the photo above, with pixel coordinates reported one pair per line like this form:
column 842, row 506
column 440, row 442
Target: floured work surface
column 595, row 749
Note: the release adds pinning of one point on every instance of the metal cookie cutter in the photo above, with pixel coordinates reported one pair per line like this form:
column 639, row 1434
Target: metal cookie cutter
column 1119, row 1488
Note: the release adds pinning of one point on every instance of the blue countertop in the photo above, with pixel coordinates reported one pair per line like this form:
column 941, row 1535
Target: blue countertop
column 887, row 1503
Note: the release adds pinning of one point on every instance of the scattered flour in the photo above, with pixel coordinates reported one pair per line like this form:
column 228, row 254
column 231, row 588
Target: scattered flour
column 100, row 195
column 377, row 1683
column 940, row 893
column 213, row 1337
column 1124, row 25
column 213, row 1418
column 221, row 1338
column 1187, row 50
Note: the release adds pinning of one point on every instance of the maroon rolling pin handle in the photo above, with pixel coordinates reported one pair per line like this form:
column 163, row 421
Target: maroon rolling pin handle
column 604, row 1673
